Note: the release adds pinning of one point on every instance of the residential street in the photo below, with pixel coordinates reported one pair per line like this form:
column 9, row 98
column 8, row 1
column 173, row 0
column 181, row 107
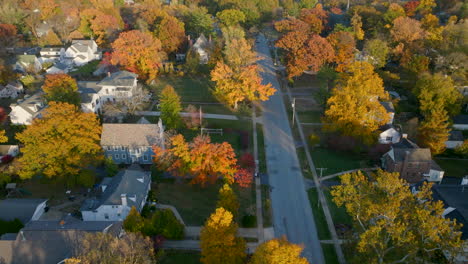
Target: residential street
column 292, row 214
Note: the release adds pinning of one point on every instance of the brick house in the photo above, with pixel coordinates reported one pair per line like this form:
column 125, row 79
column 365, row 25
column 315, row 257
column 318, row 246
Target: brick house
column 414, row 164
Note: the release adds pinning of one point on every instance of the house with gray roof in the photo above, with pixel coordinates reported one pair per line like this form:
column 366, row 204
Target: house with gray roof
column 23, row 209
column 59, row 67
column 117, row 85
column 52, row 54
column 390, row 110
column 203, row 47
column 131, row 143
column 460, row 122
column 82, row 51
column 11, row 90
column 50, row 242
column 27, row 63
column 414, row 164
column 129, row 188
column 455, row 139
column 26, row 109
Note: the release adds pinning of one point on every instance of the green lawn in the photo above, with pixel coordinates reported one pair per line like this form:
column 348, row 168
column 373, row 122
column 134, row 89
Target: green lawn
column 330, row 254
column 190, row 89
column 86, row 69
column 266, row 206
column 261, row 150
column 335, row 162
column 310, row 116
column 180, row 257
column 319, row 217
column 453, row 167
column 195, row 203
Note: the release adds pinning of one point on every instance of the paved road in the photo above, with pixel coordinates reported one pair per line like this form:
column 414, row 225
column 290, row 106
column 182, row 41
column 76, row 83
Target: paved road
column 292, row 214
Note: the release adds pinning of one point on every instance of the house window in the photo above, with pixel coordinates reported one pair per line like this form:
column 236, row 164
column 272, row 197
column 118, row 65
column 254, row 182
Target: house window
column 106, row 216
column 107, row 92
column 138, row 150
column 116, row 148
column 389, row 139
column 124, row 156
column 145, row 157
column 116, row 156
column 122, row 148
column 118, row 214
column 109, row 148
column 132, row 151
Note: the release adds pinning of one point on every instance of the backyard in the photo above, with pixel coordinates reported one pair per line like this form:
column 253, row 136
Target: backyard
column 190, row 89
column 179, row 257
column 334, row 161
column 453, row 167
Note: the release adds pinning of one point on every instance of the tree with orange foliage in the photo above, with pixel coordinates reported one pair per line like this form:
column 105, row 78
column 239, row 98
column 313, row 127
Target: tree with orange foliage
column 138, row 52
column 314, row 22
column 97, row 24
column 171, row 32
column 203, row 160
column 292, row 24
column 61, row 88
column 410, row 7
column 48, row 8
column 8, row 36
column 218, row 240
column 244, row 177
column 235, row 86
column 344, row 45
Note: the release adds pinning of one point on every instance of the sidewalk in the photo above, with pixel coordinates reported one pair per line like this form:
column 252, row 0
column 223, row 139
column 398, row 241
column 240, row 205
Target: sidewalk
column 195, row 245
column 185, row 114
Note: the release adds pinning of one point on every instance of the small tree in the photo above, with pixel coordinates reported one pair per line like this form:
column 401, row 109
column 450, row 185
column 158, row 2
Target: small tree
column 170, row 107
column 218, row 240
column 61, row 88
column 278, row 251
column 86, row 178
column 434, row 130
column 227, row 199
column 134, row 222
column 244, row 177
column 3, row 136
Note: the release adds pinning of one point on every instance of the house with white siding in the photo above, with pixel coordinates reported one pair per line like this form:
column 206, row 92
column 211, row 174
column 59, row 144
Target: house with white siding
column 82, row 51
column 11, row 90
column 131, row 143
column 117, row 195
column 388, row 134
column 119, row 84
column 25, row 110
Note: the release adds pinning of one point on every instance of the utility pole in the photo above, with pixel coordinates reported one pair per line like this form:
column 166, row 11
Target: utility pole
column 294, row 110
column 201, row 127
column 321, row 171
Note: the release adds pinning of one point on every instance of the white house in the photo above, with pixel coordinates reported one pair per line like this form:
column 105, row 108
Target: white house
column 389, row 135
column 25, row 110
column 11, row 90
column 82, row 51
column 119, row 194
column 460, row 122
column 59, row 67
column 27, row 63
column 455, row 139
column 52, row 54
column 119, row 84
column 23, row 209
column 202, row 47
column 131, row 143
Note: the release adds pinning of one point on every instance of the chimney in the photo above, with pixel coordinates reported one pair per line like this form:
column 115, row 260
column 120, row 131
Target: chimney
column 405, row 136
column 188, row 37
column 62, row 223
column 123, row 197
column 108, row 74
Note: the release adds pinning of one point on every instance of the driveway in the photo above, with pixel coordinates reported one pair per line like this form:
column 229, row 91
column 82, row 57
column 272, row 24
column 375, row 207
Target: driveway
column 292, row 214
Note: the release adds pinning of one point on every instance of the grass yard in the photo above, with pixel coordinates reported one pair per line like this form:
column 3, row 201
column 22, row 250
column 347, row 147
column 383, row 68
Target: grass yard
column 87, row 69
column 453, row 167
column 47, row 189
column 195, row 204
column 329, row 254
column 310, row 116
column 180, row 257
column 189, row 88
column 337, row 161
column 261, row 150
column 266, row 206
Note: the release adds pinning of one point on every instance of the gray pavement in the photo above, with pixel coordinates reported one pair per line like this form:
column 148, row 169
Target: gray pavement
column 292, row 214
column 184, row 114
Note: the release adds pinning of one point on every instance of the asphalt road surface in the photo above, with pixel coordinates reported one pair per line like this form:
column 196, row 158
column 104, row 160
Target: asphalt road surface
column 292, row 214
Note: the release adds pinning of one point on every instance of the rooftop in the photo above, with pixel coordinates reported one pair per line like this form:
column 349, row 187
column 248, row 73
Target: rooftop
column 413, row 154
column 29, row 103
column 23, row 209
column 388, row 106
column 130, row 135
column 461, row 119
column 455, row 135
column 456, row 197
column 120, row 78
column 132, row 182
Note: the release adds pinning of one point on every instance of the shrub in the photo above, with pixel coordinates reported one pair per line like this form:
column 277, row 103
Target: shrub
column 163, row 222
column 314, row 139
column 86, row 178
column 249, row 221
column 10, row 226
column 133, row 222
column 28, row 80
column 247, row 161
column 111, row 167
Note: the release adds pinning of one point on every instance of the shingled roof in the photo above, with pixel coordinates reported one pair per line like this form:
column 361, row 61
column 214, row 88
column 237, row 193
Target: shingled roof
column 120, row 78
column 415, row 154
column 23, row 209
column 130, row 135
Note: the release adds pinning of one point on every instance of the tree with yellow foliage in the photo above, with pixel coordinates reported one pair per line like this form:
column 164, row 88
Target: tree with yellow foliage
column 354, row 108
column 218, row 240
column 60, row 144
column 3, row 136
column 278, row 251
column 392, row 224
column 356, row 22
column 434, row 129
column 227, row 199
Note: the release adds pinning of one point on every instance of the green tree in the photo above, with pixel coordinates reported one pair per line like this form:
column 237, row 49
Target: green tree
column 278, row 251
column 111, row 167
column 378, row 51
column 198, row 21
column 163, row 222
column 86, row 178
column 134, row 222
column 391, row 223
column 438, row 90
column 61, row 88
column 227, row 199
column 218, row 240
column 231, row 17
column 61, row 143
column 170, row 106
